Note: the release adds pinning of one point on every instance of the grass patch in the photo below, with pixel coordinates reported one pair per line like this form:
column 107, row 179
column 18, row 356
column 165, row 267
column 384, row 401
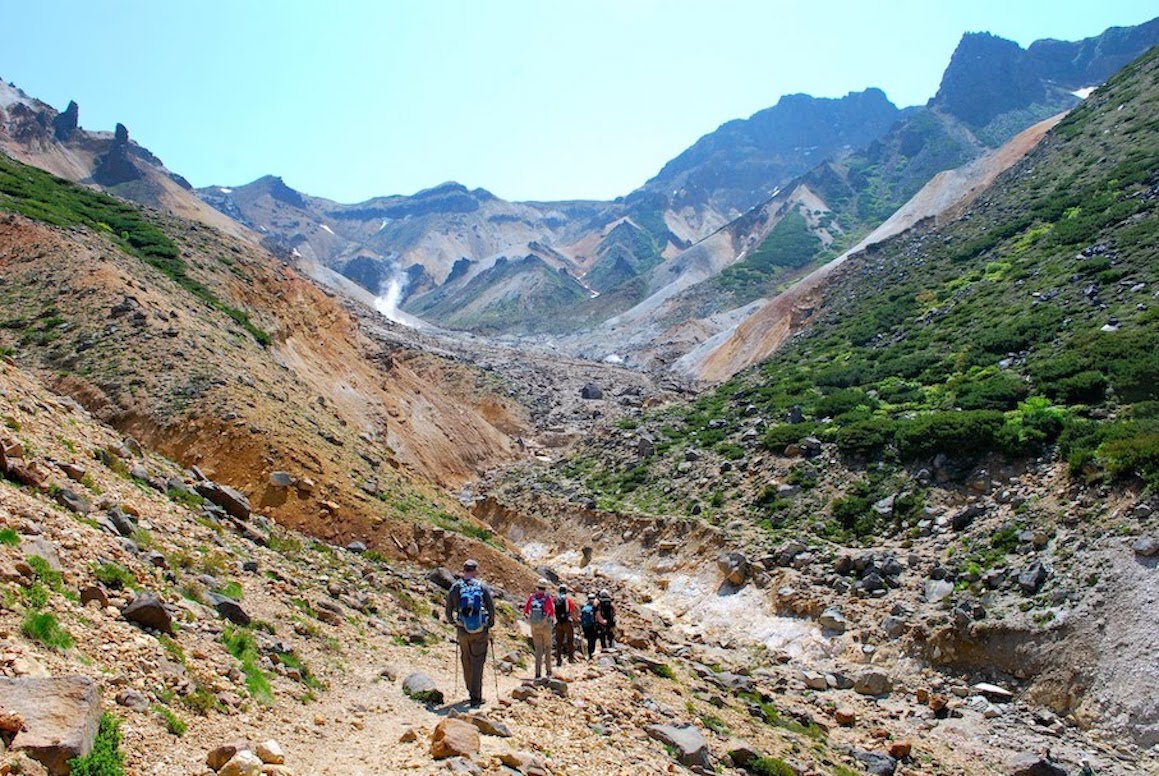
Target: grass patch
column 42, row 627
column 242, row 644
column 173, row 723
column 9, row 537
column 106, row 758
column 115, row 576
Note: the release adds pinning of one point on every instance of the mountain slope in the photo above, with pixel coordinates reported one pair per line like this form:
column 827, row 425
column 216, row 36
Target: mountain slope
column 939, row 462
column 211, row 351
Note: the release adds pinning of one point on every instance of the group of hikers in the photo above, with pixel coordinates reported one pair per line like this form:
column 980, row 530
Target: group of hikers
column 553, row 619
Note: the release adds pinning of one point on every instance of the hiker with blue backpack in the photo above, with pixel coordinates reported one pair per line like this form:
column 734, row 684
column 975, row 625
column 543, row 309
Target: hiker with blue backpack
column 540, row 613
column 472, row 610
column 588, row 623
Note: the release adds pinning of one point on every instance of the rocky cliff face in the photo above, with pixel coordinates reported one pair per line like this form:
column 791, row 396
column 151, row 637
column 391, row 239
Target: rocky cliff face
column 744, row 161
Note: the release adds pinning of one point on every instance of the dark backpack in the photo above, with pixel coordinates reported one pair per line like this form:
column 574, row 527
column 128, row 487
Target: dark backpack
column 588, row 616
column 538, row 608
column 472, row 613
column 562, row 613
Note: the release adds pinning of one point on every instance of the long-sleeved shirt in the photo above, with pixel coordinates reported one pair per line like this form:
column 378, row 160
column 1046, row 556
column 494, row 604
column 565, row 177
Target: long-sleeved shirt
column 452, row 608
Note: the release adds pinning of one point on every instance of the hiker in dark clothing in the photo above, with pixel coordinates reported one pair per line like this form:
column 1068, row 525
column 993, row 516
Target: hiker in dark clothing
column 472, row 610
column 566, row 614
column 591, row 628
column 606, row 618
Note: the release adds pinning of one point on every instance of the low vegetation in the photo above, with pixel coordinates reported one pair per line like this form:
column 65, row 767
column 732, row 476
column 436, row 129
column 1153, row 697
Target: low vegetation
column 44, row 197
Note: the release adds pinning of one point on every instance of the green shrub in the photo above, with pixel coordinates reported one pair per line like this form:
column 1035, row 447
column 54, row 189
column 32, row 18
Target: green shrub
column 9, row 537
column 957, row 434
column 777, row 438
column 106, row 758
column 43, row 627
column 866, row 437
column 115, row 576
column 771, row 766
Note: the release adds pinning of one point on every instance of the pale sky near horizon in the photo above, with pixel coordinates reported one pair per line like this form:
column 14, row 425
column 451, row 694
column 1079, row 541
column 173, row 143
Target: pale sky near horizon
column 530, row 100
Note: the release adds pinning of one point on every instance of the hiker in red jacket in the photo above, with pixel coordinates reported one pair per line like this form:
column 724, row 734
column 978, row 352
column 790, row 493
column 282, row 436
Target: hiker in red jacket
column 566, row 616
column 540, row 613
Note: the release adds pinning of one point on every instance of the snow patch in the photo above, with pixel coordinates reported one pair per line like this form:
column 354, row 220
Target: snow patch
column 1084, row 92
column 328, row 229
column 383, row 225
column 224, row 190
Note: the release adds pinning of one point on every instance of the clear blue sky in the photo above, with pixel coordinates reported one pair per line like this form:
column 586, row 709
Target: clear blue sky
column 542, row 99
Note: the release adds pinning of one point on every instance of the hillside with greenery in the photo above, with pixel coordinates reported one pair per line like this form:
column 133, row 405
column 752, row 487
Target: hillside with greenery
column 1028, row 328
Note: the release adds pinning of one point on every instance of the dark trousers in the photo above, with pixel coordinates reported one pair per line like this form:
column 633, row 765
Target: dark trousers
column 591, row 633
column 473, row 653
column 607, row 635
column 564, row 642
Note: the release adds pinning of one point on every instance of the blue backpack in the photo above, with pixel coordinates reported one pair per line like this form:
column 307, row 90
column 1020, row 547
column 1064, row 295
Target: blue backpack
column 472, row 614
column 588, row 616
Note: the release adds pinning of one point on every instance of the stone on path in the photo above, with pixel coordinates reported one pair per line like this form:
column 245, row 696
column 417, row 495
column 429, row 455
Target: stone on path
column 454, row 737
column 232, row 501
column 244, row 763
column 61, row 716
column 487, row 727
column 422, row 688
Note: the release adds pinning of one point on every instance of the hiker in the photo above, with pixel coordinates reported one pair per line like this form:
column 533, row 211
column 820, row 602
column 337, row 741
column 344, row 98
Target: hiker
column 540, row 613
column 591, row 628
column 566, row 614
column 606, row 619
column 471, row 609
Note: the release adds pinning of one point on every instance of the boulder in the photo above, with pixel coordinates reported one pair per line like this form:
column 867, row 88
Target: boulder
column 845, row 716
column 832, row 620
column 1027, row 764
column 1032, row 578
column 244, row 763
column 741, row 753
column 524, row 762
column 1145, row 546
column 877, row 763
column 232, row 501
column 734, row 566
column 230, row 609
column 937, row 589
column 148, row 611
column 872, row 682
column 422, row 688
column 270, row 752
column 218, row 757
column 899, row 750
column 487, row 727
column 442, row 578
column 61, row 716
column 73, row 502
column 281, row 479
column 454, row 738
column 591, row 391
column 691, row 748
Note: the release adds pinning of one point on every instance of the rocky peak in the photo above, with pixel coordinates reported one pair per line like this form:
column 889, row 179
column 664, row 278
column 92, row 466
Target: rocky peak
column 986, row 77
column 66, row 123
column 121, row 134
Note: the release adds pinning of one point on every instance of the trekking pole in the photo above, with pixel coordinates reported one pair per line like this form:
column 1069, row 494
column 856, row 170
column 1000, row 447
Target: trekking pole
column 494, row 665
column 458, row 658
